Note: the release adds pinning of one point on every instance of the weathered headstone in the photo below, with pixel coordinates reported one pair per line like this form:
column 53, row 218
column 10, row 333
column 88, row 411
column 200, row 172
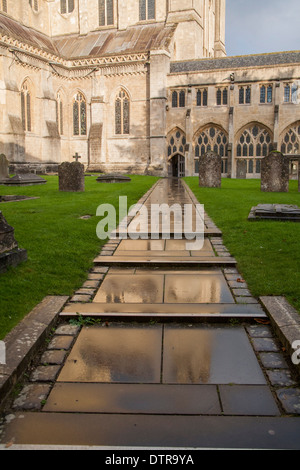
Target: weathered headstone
column 10, row 253
column 241, row 169
column 210, row 170
column 71, row 177
column 275, row 173
column 4, row 173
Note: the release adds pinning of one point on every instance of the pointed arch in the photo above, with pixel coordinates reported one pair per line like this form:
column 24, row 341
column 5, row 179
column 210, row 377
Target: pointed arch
column 122, row 112
column 79, row 108
column 211, row 137
column 176, row 143
column 290, row 139
column 253, row 142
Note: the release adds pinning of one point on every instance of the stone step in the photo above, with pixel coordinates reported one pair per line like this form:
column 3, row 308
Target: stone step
column 209, row 261
column 163, row 399
column 164, row 311
column 161, row 431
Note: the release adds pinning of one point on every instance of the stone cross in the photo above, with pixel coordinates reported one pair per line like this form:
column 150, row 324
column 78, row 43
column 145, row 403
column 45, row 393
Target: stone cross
column 76, row 156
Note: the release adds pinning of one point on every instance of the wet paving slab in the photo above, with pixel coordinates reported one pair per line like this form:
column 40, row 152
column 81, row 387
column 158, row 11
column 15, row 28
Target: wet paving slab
column 169, row 354
column 168, row 288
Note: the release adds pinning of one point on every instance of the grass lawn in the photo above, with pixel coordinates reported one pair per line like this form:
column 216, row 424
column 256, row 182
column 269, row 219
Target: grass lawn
column 267, row 252
column 61, row 246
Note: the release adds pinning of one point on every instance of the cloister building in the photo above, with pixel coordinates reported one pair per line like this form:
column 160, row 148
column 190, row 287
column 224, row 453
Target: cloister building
column 139, row 86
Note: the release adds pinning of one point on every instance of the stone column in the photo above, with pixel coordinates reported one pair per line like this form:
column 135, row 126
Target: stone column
column 159, row 68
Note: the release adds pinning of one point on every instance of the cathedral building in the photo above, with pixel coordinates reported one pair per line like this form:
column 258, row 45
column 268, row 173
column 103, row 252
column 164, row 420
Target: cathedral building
column 139, row 86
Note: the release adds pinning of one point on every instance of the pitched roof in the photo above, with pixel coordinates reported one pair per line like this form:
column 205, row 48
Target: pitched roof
column 231, row 63
column 139, row 38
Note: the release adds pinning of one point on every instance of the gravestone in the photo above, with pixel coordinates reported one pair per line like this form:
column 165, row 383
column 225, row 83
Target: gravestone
column 210, row 170
column 113, row 178
column 275, row 173
column 71, row 177
column 241, row 169
column 281, row 212
column 10, row 253
column 4, row 174
column 25, row 179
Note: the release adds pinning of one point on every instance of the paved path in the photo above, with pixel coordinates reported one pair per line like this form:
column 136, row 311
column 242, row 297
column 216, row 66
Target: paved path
column 177, row 354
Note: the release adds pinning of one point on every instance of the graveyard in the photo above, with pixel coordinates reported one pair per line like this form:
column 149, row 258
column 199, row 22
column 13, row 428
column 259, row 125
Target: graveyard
column 60, row 245
column 58, row 230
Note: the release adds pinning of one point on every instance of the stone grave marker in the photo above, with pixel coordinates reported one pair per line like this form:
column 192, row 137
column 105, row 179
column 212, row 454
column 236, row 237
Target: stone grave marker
column 275, row 173
column 4, row 173
column 71, row 176
column 10, row 253
column 210, row 170
column 241, row 169
column 281, row 212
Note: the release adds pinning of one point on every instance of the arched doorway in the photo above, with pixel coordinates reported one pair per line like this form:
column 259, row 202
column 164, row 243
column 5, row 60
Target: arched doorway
column 176, row 148
column 176, row 166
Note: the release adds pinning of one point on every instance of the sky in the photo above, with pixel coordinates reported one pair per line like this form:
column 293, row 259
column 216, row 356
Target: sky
column 260, row 26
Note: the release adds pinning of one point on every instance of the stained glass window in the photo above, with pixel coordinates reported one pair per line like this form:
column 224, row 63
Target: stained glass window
column 222, row 96
column 106, row 12
column 122, row 113
column 79, row 115
column 263, row 94
column 26, row 107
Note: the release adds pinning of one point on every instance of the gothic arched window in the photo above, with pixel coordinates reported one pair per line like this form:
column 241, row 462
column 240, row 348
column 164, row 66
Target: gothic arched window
column 79, row 115
column 253, row 144
column 212, row 138
column 290, row 142
column 59, row 113
column 176, row 142
column 122, row 113
column 26, row 107
column 147, row 10
column 106, row 12
column 67, row 6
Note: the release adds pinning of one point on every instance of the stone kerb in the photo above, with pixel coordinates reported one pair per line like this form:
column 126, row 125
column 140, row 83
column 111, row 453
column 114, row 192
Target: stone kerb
column 210, row 170
column 275, row 173
column 71, row 177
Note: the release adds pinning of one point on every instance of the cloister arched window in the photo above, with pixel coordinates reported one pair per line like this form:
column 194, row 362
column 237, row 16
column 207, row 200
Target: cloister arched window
column 211, row 138
column 79, row 115
column 26, row 106
column 147, row 10
column 60, row 113
column 122, row 113
column 106, row 12
column 290, row 140
column 253, row 144
column 67, row 6
column 176, row 142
